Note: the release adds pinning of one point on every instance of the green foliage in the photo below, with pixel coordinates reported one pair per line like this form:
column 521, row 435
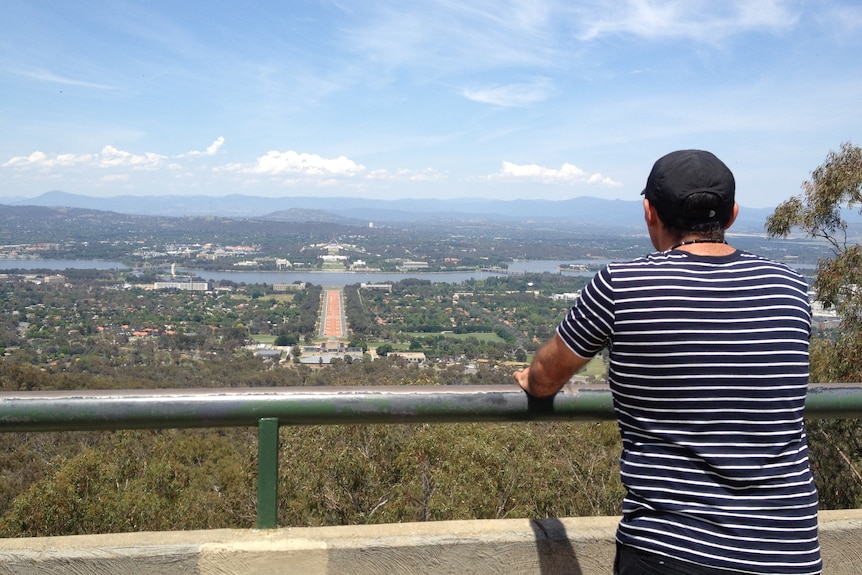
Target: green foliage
column 55, row 484
column 140, row 482
column 836, row 445
column 76, row 337
column 836, row 460
column 286, row 339
column 494, row 319
column 377, row 474
column 384, row 349
column 329, row 475
column 835, row 186
column 836, row 359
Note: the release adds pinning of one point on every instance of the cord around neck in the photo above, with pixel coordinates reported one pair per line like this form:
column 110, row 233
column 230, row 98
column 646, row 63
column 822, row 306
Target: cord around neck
column 698, row 241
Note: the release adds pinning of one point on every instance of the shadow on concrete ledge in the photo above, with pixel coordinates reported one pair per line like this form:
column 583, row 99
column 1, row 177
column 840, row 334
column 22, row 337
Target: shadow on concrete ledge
column 556, row 553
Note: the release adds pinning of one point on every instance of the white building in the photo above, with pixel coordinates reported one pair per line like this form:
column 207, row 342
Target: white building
column 184, row 285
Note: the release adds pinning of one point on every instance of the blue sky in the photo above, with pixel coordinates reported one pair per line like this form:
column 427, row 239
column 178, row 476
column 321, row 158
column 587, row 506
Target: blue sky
column 446, row 99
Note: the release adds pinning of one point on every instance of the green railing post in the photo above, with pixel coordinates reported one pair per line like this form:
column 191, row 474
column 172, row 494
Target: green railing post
column 267, row 473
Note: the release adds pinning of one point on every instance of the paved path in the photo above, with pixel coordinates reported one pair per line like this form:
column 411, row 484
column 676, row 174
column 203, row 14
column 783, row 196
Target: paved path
column 332, row 315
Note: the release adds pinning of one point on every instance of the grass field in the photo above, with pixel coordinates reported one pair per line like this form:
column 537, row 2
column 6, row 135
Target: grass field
column 279, row 297
column 481, row 336
column 596, row 367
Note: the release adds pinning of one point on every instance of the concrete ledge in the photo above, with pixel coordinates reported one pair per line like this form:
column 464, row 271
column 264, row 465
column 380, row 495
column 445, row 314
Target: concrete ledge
column 570, row 546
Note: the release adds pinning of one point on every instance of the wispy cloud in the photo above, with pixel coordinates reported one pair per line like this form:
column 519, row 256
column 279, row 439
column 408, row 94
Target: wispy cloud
column 844, row 21
column 52, row 78
column 510, row 95
column 702, row 21
column 451, row 36
column 348, row 94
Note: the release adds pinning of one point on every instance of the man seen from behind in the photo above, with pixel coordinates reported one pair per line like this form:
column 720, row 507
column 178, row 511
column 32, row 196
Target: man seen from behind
column 708, row 352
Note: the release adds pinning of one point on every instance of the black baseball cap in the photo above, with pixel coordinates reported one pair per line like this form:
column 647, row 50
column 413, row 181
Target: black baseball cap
column 680, row 174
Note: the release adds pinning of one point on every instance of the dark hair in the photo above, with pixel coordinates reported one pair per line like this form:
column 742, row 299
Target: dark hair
column 702, row 213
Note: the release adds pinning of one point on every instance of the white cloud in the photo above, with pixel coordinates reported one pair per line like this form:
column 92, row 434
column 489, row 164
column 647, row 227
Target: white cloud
column 211, row 150
column 511, row 95
column 110, row 157
column 566, row 174
column 42, row 161
column 301, row 164
column 214, row 147
column 33, row 159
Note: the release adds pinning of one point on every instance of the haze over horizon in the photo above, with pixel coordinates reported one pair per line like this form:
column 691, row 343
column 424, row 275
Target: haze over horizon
column 436, row 99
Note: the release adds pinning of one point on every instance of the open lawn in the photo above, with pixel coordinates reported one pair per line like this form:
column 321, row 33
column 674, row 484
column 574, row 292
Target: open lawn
column 481, row 336
column 279, row 297
column 597, row 367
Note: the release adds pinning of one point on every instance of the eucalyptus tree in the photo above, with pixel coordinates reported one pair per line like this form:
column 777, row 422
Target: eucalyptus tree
column 828, row 199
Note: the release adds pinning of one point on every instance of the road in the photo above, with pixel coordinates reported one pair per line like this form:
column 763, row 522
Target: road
column 332, row 322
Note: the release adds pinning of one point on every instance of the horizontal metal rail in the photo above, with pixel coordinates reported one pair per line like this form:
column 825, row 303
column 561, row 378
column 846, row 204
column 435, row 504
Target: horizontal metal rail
column 269, row 408
column 84, row 410
column 232, row 407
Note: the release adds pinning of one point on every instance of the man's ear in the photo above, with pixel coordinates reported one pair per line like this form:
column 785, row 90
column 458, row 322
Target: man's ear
column 733, row 214
column 650, row 213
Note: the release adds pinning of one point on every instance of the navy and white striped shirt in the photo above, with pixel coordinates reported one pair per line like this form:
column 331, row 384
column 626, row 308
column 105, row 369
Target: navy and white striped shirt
column 708, row 370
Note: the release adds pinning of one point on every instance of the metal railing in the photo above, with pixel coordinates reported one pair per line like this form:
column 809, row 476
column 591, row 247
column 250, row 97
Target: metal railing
column 270, row 408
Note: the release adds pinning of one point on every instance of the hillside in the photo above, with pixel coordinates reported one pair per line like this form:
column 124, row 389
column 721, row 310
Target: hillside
column 584, row 211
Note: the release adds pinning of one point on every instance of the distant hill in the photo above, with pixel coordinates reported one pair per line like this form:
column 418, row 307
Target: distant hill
column 583, row 211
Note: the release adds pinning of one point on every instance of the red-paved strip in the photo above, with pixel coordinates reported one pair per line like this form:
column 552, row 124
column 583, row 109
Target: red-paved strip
column 332, row 325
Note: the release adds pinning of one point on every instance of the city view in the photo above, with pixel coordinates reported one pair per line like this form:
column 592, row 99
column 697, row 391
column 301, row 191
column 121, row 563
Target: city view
column 310, row 199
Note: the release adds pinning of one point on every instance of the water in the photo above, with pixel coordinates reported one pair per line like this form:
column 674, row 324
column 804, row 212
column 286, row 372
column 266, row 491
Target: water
column 316, row 278
column 326, row 278
column 347, row 278
column 550, row 266
column 334, row 278
column 60, row 265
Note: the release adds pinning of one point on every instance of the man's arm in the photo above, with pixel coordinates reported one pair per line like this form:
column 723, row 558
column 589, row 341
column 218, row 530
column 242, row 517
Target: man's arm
column 553, row 365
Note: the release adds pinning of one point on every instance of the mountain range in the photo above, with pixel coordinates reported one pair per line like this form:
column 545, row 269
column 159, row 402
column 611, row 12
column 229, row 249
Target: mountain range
column 583, row 211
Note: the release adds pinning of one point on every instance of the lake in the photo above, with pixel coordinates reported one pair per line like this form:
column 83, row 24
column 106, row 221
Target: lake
column 60, row 265
column 316, row 278
column 348, row 278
